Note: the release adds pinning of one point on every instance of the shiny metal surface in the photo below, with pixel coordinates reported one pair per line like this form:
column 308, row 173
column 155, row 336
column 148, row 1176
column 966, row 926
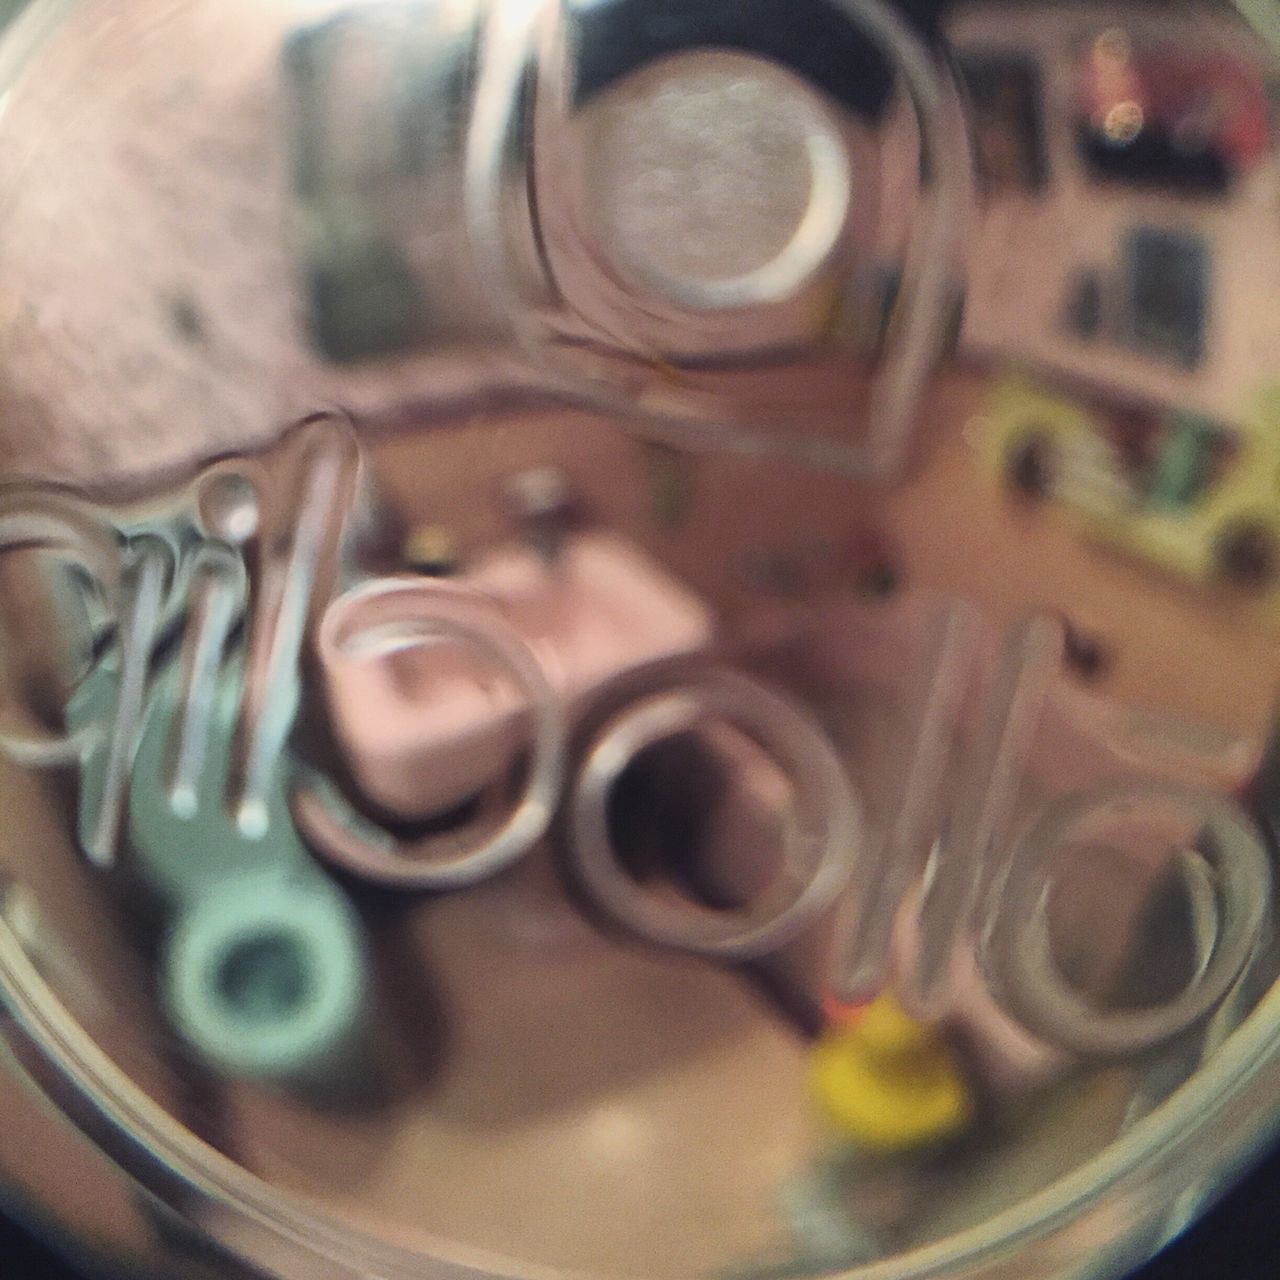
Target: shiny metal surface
column 817, row 858
column 436, row 228
column 399, row 615
column 688, row 282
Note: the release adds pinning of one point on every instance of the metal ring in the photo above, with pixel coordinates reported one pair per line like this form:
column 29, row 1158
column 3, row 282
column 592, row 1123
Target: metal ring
column 832, row 824
column 812, row 234
column 313, row 927
column 493, row 141
column 75, row 531
column 1017, row 957
column 420, row 611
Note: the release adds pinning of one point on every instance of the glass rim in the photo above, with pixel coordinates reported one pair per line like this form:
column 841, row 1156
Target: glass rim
column 1123, row 1197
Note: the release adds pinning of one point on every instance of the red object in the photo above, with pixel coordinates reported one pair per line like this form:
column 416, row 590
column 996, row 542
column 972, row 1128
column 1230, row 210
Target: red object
column 1205, row 101
column 841, row 1013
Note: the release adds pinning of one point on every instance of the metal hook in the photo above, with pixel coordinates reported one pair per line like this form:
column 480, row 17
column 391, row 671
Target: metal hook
column 147, row 579
column 133, row 577
column 218, row 592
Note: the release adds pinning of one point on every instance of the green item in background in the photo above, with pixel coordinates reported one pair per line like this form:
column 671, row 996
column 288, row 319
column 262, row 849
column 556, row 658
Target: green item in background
column 264, row 971
column 671, row 483
column 1184, row 462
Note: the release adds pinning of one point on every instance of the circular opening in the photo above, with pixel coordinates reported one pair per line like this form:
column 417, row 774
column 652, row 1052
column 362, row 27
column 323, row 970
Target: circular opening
column 1129, row 932
column 706, row 814
column 469, row 751
column 265, row 979
column 820, row 837
column 1196, row 891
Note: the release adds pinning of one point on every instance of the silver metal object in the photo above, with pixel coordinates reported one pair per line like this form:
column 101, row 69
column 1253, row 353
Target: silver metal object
column 184, row 553
column 262, row 968
column 824, row 844
column 217, row 598
column 524, row 46
column 145, row 585
column 969, row 849
column 77, row 533
column 474, row 194
column 861, row 951
column 105, row 373
column 1016, row 950
column 718, row 182
column 302, row 550
column 132, row 570
column 446, row 240
column 402, row 614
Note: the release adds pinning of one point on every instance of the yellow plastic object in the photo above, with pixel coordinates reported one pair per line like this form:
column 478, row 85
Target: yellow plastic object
column 1081, row 468
column 1230, row 531
column 888, row 1083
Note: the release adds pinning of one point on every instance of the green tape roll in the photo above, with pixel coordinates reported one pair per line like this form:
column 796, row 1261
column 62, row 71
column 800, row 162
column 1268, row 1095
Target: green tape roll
column 267, row 978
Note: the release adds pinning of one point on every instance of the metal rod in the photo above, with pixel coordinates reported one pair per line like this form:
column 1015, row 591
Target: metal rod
column 271, row 679
column 865, row 927
column 987, row 792
column 143, row 600
column 216, row 597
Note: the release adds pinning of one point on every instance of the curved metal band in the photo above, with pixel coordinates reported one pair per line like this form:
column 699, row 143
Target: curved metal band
column 77, row 533
column 419, row 612
column 493, row 147
column 820, row 860
column 1017, row 957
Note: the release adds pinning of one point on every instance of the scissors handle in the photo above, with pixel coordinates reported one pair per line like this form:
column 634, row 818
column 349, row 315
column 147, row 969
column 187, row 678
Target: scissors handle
column 823, row 851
